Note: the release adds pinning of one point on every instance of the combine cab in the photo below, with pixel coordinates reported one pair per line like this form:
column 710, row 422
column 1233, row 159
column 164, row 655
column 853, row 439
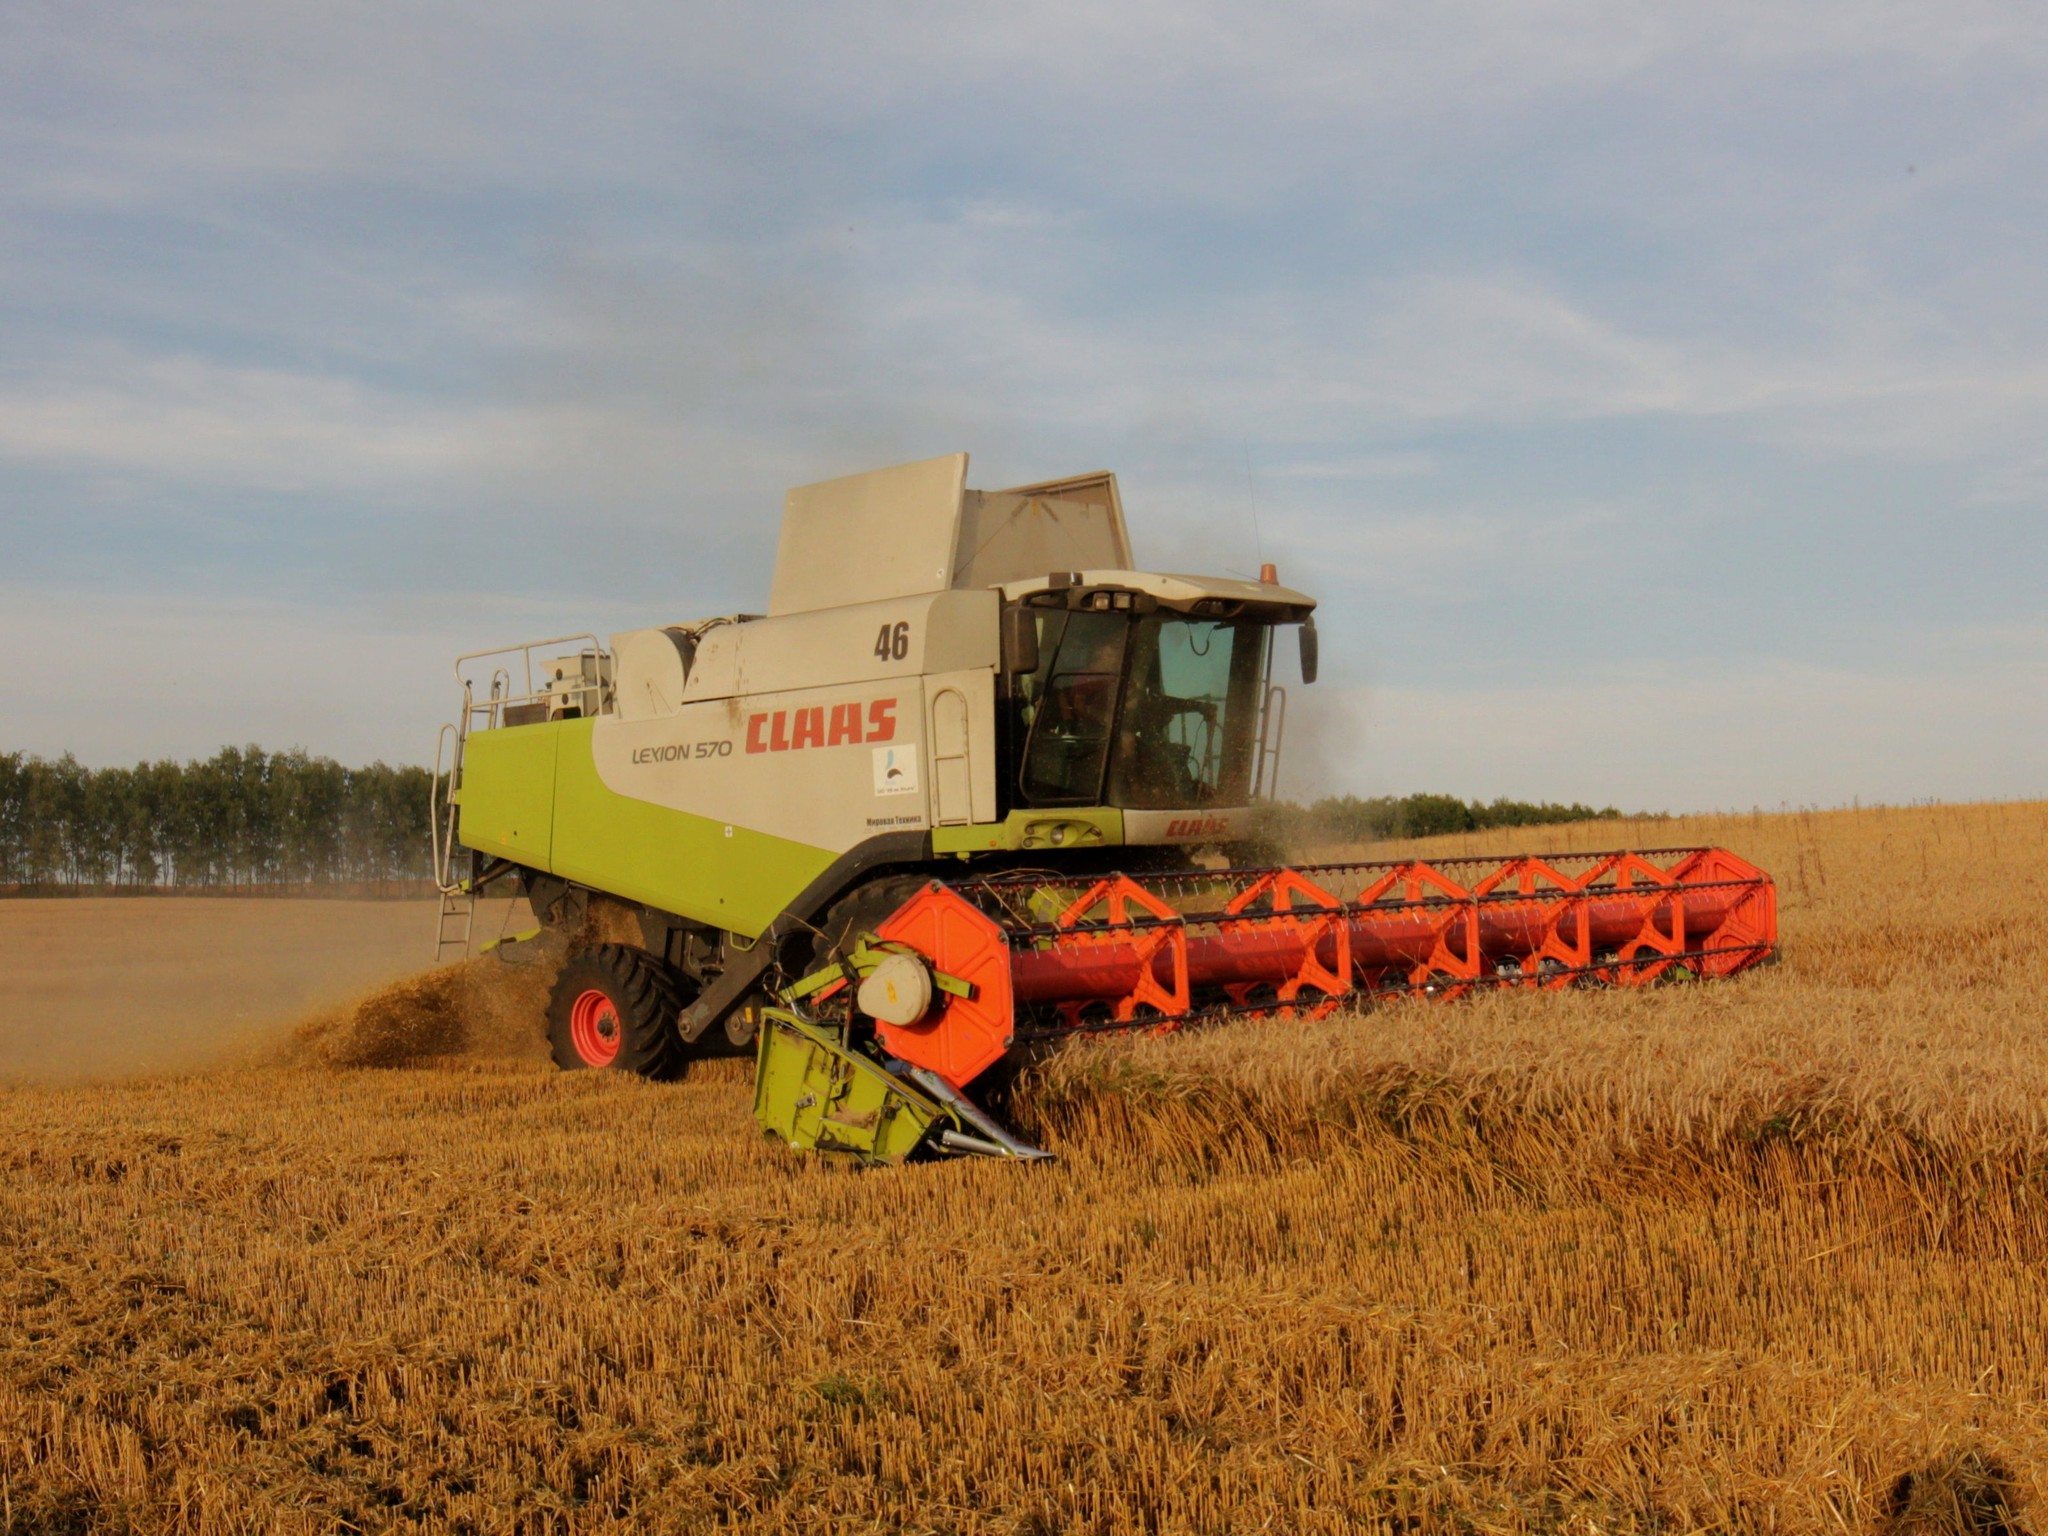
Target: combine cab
column 973, row 784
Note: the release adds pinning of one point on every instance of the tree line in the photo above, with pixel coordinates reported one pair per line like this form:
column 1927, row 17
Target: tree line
column 1350, row 819
column 241, row 817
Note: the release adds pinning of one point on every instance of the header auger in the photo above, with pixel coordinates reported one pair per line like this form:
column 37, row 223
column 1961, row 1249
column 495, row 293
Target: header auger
column 957, row 795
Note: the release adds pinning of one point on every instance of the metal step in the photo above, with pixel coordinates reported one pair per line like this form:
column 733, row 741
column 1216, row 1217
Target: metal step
column 455, row 925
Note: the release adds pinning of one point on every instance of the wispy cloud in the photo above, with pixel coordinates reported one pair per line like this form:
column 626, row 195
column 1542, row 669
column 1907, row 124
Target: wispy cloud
column 1458, row 309
column 191, row 418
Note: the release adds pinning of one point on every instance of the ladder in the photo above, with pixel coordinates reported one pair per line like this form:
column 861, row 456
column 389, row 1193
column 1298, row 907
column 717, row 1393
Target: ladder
column 455, row 923
column 454, row 926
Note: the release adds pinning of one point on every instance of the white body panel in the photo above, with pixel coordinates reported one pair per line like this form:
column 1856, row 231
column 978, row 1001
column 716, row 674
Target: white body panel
column 916, row 528
column 1005, row 535
column 806, row 764
column 961, row 732
column 887, row 533
column 821, row 733
column 651, row 665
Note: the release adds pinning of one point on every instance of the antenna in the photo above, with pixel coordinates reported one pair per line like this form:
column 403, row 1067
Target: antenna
column 1252, row 492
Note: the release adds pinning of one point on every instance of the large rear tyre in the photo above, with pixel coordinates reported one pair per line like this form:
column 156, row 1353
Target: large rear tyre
column 614, row 1009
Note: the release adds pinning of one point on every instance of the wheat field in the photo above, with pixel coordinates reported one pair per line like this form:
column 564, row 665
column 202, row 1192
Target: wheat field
column 1765, row 1255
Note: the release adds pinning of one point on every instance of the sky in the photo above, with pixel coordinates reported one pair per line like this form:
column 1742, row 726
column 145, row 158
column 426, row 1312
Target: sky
column 1652, row 395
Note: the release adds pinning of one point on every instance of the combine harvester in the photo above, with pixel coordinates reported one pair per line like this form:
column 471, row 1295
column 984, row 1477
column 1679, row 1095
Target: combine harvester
column 971, row 786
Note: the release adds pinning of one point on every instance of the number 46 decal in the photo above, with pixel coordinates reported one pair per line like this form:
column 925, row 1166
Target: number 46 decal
column 893, row 643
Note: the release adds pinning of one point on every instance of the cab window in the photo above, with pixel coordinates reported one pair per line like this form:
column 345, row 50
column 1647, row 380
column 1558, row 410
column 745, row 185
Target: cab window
column 1187, row 730
column 1070, row 707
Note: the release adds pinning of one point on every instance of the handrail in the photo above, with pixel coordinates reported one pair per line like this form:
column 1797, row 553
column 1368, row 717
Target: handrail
column 493, row 708
column 1272, row 736
column 453, row 737
column 440, row 829
column 527, row 648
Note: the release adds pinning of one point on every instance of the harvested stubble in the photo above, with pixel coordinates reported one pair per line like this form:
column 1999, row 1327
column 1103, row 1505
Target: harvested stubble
column 1761, row 1256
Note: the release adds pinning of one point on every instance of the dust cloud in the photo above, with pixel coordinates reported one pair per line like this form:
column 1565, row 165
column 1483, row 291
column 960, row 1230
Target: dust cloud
column 493, row 1005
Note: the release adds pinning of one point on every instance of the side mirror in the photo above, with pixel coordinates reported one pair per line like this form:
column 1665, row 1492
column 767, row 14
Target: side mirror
column 1020, row 640
column 1308, row 650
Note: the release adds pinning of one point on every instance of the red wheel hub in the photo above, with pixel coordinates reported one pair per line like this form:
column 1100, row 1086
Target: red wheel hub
column 594, row 1028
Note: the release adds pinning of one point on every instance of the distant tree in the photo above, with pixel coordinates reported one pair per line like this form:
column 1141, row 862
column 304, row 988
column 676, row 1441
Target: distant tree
column 1433, row 815
column 94, row 836
column 304, row 795
column 13, row 815
column 159, row 811
column 1521, row 813
column 58, row 835
column 242, row 816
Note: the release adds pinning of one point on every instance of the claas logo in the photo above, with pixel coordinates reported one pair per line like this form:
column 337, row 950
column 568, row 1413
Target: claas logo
column 1198, row 826
column 791, row 730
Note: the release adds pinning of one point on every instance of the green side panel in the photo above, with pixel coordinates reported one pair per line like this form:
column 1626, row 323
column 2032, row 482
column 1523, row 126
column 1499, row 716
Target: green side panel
column 1086, row 826
column 508, row 792
column 810, row 1091
column 690, row 865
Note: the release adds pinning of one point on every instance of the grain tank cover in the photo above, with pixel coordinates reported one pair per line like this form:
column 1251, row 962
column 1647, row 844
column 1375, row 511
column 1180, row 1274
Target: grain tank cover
column 917, row 529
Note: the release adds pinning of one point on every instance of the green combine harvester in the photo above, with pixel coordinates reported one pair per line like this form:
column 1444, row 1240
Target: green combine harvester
column 970, row 786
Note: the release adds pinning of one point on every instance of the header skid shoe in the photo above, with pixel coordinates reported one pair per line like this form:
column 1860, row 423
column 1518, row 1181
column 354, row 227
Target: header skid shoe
column 813, row 1089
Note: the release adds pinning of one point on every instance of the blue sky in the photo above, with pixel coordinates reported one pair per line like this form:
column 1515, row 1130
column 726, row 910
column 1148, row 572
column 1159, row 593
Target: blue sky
column 1654, row 395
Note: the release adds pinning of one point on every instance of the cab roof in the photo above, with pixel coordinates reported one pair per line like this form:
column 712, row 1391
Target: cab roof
column 1169, row 590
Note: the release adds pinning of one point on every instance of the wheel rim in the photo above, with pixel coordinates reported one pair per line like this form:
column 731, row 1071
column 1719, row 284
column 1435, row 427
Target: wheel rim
column 594, row 1028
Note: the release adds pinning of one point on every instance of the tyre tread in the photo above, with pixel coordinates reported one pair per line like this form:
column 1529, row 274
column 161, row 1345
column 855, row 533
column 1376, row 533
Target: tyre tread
column 648, row 995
